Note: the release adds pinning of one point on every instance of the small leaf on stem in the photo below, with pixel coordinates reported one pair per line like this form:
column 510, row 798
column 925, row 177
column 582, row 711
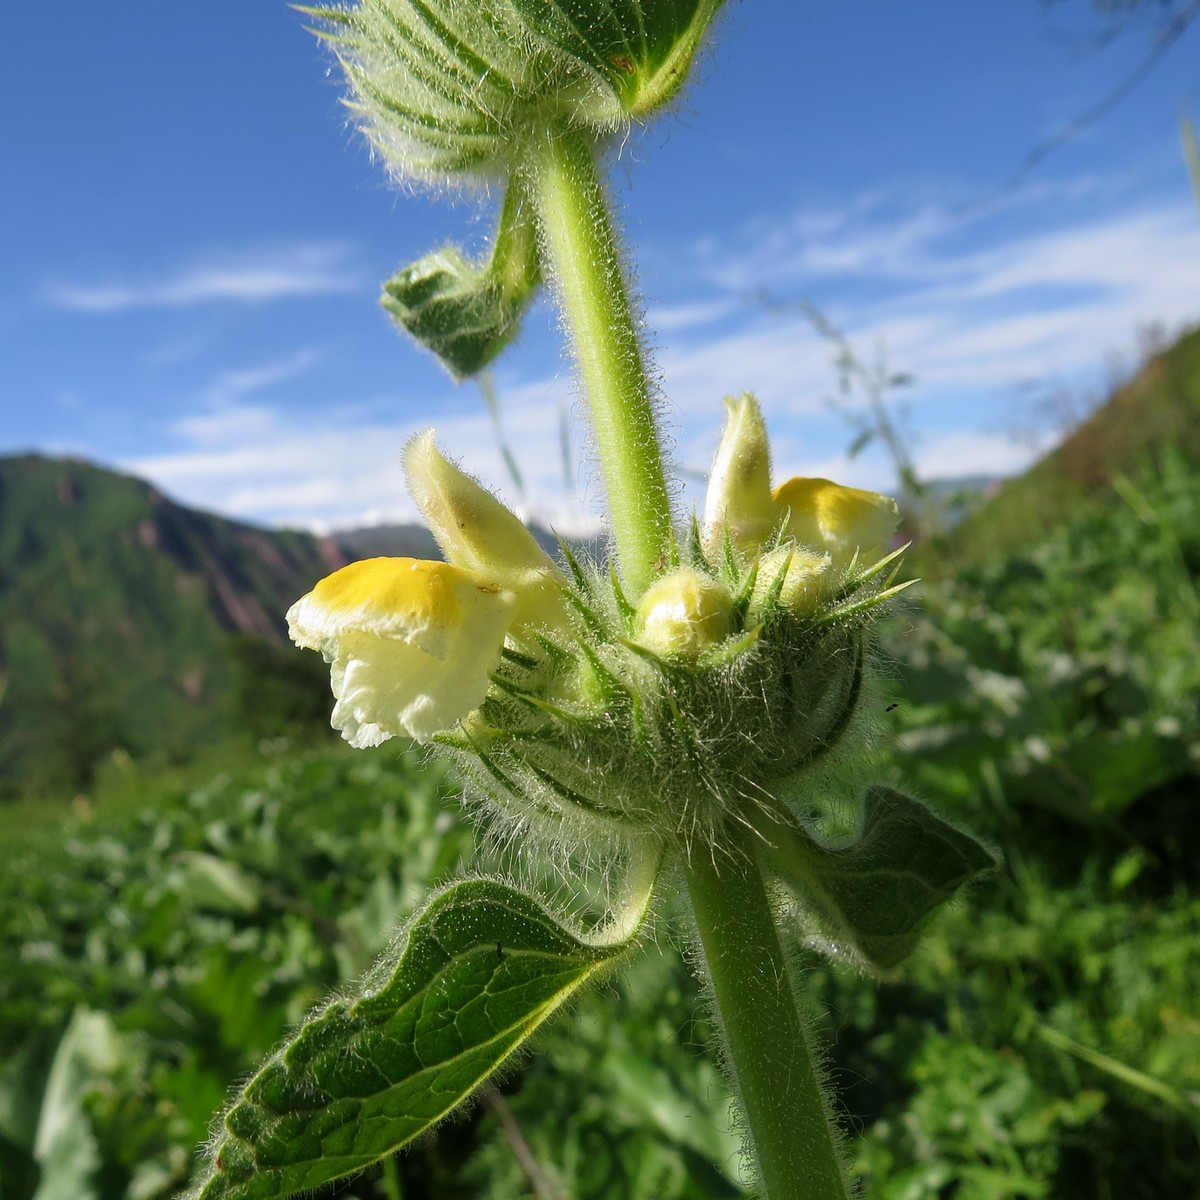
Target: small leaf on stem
column 466, row 312
column 879, row 891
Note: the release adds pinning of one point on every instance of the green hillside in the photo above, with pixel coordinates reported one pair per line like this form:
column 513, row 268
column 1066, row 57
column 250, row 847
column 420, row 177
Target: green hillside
column 1159, row 408
column 129, row 621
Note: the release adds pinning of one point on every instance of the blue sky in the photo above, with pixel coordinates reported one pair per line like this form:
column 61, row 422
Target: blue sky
column 193, row 238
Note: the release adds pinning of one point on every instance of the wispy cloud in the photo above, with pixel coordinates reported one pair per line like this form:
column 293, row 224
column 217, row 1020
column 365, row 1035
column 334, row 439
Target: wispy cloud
column 259, row 463
column 306, row 269
column 973, row 318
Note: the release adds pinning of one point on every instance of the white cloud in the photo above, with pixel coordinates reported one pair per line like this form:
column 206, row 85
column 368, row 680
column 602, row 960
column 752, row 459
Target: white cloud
column 305, row 269
column 669, row 318
column 255, row 463
column 963, row 453
column 1046, row 301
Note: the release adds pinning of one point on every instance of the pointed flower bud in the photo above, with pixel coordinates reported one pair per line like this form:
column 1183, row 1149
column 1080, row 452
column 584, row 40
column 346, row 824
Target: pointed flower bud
column 476, row 531
column 446, row 87
column 844, row 521
column 683, row 614
column 411, row 644
column 739, row 501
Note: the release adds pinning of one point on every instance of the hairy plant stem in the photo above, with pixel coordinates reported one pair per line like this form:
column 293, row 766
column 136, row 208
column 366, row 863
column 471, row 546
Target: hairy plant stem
column 581, row 252
column 786, row 1115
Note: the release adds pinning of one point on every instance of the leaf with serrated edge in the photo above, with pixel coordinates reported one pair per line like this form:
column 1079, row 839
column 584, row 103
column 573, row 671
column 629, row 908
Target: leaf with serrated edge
column 469, row 980
column 878, row 891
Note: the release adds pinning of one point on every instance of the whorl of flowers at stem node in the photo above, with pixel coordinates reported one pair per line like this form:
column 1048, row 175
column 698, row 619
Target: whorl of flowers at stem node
column 740, row 666
column 445, row 87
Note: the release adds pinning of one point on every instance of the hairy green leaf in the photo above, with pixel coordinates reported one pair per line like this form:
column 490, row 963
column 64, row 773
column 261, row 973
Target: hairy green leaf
column 641, row 48
column 879, row 890
column 465, row 312
column 472, row 976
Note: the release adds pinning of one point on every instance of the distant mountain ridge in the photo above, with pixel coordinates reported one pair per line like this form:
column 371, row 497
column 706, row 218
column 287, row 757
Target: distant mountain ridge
column 130, row 621
column 126, row 619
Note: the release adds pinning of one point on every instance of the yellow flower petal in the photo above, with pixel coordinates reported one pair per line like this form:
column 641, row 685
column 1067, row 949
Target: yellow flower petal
column 476, row 531
column 411, row 643
column 841, row 520
column 739, row 486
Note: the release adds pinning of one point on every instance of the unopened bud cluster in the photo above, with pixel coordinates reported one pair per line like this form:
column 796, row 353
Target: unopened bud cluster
column 452, row 86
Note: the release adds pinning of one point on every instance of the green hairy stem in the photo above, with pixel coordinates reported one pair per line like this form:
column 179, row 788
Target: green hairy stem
column 580, row 248
column 788, row 1122
column 662, row 710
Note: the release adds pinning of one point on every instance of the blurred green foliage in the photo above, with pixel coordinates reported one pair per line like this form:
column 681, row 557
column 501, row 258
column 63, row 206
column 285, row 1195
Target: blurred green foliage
column 1042, row 1042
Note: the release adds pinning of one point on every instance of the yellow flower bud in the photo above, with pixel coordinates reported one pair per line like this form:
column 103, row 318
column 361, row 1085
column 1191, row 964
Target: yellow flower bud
column 842, row 520
column 792, row 577
column 739, row 488
column 412, row 644
column 684, row 613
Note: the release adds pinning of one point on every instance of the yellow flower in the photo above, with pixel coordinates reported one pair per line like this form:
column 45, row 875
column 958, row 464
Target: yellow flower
column 412, row 644
column 844, row 521
column 824, row 517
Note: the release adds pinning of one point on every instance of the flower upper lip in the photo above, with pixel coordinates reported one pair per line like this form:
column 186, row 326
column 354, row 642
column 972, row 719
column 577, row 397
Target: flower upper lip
column 413, row 643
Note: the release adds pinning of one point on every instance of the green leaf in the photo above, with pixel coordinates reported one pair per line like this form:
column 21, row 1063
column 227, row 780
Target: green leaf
column 879, row 890
column 643, row 49
column 465, row 312
column 470, row 979
column 860, row 443
column 65, row 1145
column 207, row 881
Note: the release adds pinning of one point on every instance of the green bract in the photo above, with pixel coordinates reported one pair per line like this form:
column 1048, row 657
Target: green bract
column 684, row 742
column 466, row 312
column 447, row 86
